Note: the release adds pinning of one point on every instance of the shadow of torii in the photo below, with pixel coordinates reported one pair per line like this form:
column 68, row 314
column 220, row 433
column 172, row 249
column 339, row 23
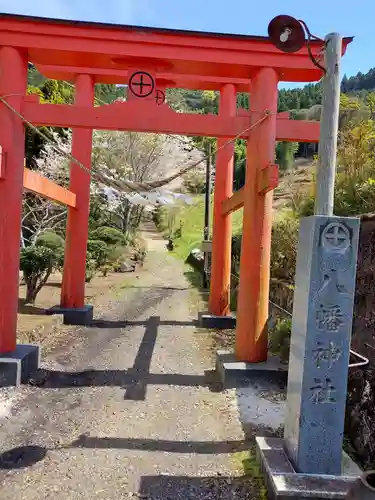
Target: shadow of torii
column 135, row 379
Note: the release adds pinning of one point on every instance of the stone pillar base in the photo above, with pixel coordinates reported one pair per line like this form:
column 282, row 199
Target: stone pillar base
column 17, row 366
column 234, row 373
column 82, row 316
column 284, row 482
column 211, row 321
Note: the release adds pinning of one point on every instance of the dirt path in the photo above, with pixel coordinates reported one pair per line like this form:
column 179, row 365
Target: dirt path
column 124, row 408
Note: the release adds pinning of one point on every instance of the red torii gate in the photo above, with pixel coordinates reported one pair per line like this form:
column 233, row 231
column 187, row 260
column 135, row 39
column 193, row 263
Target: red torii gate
column 89, row 53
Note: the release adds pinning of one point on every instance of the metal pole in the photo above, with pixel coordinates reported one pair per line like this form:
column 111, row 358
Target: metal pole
column 326, row 171
column 206, row 230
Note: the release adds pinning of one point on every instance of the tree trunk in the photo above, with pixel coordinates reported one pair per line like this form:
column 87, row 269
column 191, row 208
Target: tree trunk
column 31, row 289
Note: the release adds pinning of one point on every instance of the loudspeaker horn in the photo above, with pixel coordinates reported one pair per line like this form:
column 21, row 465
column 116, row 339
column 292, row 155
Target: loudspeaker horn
column 286, row 33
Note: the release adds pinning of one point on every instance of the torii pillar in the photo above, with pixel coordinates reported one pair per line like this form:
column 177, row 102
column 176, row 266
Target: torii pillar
column 253, row 296
column 16, row 361
column 73, row 285
column 222, row 223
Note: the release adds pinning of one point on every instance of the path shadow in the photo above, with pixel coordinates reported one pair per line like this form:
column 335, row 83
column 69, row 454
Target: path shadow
column 163, row 445
column 167, row 487
column 135, row 379
column 29, row 309
column 22, row 457
column 103, row 323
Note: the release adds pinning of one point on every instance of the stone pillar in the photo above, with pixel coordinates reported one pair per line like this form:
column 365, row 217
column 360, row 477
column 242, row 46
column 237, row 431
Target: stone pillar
column 222, row 224
column 73, row 286
column 13, row 81
column 253, row 296
column 320, row 343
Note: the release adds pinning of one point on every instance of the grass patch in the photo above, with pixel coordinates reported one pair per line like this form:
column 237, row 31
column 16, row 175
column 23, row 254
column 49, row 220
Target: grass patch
column 248, row 462
column 191, row 220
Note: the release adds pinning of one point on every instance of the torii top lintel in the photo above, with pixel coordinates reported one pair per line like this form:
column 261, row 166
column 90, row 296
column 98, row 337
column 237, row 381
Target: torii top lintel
column 187, row 59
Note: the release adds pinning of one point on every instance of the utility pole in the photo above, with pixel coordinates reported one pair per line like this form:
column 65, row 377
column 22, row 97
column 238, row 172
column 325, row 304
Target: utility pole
column 206, row 230
column 329, row 124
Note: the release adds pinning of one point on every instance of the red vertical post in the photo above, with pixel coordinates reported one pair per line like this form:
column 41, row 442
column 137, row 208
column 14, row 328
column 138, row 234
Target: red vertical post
column 73, row 286
column 13, row 82
column 222, row 224
column 252, row 313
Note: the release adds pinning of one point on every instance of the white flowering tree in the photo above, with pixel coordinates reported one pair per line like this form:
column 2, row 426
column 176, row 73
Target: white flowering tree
column 137, row 157
column 40, row 214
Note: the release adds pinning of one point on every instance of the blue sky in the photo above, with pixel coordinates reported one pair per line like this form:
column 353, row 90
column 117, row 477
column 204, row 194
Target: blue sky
column 243, row 16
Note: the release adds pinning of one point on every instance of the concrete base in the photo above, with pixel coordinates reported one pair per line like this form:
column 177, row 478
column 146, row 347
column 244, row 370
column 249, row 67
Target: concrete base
column 17, row 366
column 233, row 373
column 74, row 316
column 284, row 482
column 217, row 322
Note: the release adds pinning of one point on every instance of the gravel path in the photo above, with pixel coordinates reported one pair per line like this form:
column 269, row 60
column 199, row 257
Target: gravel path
column 125, row 408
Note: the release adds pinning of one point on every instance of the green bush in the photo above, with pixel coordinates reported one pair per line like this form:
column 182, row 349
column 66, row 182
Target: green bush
column 109, row 235
column 99, row 251
column 54, row 242
column 284, row 249
column 157, row 216
column 140, row 250
column 90, row 267
column 36, row 263
column 280, row 338
column 51, row 240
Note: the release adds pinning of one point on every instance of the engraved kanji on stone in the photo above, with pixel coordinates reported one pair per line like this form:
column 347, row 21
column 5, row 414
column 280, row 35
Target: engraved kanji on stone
column 322, row 391
column 329, row 318
column 328, row 355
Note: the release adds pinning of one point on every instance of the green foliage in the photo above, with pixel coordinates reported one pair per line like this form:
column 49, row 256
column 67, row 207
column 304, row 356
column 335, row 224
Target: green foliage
column 195, row 182
column 99, row 251
column 109, row 235
column 280, row 338
column 284, row 249
column 90, row 267
column 49, row 91
column 108, row 92
column 158, row 218
column 300, row 98
column 51, row 240
column 57, row 92
column 285, row 154
column 139, row 250
column 35, row 259
column 36, row 263
column 54, row 242
column 35, row 79
column 359, row 82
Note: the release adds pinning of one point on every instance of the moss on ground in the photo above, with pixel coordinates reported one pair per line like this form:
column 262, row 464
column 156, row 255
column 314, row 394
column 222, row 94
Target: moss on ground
column 247, row 461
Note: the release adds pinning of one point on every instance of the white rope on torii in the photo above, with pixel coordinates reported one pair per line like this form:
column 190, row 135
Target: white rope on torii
column 123, row 185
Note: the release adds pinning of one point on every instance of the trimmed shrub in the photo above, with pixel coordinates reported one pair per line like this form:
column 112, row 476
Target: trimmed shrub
column 280, row 339
column 36, row 263
column 54, row 242
column 99, row 251
column 109, row 235
column 51, row 240
column 90, row 267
